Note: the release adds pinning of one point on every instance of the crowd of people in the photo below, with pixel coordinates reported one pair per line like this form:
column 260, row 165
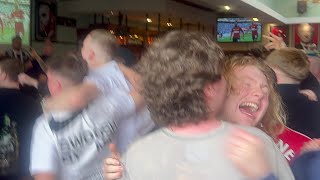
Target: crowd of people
column 185, row 111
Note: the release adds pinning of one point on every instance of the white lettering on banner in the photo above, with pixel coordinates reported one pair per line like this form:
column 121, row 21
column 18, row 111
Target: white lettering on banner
column 284, row 149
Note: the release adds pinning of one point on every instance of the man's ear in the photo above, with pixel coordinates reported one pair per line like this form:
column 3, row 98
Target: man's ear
column 54, row 87
column 209, row 90
column 91, row 55
column 3, row 75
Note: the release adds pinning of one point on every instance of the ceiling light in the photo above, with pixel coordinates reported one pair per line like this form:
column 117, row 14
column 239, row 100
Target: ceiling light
column 169, row 24
column 111, row 12
column 255, row 19
column 227, row 8
column 136, row 36
column 149, row 20
column 130, row 36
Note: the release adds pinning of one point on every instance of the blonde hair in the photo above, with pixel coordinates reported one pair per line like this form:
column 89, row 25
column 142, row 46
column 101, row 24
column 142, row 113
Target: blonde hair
column 105, row 41
column 274, row 119
column 291, row 61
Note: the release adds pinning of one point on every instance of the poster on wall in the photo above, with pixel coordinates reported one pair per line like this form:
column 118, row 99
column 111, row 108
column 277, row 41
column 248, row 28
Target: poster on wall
column 306, row 37
column 14, row 20
column 46, row 13
column 281, row 31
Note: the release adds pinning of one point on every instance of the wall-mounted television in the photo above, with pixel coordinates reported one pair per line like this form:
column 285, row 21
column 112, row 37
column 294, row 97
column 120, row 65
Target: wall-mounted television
column 14, row 20
column 238, row 30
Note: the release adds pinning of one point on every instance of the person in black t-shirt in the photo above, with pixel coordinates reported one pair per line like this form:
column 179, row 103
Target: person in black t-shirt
column 18, row 112
column 292, row 67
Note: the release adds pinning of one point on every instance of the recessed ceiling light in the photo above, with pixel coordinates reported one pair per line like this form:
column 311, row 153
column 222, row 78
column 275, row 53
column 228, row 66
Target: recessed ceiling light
column 255, row 19
column 149, row 20
column 227, row 8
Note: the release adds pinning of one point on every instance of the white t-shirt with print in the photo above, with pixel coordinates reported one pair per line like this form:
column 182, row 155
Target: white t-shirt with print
column 109, row 78
column 74, row 145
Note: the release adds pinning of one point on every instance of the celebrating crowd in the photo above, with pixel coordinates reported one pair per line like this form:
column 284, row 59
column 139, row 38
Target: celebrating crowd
column 186, row 111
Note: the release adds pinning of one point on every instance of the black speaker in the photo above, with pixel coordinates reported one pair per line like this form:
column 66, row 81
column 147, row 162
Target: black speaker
column 302, row 6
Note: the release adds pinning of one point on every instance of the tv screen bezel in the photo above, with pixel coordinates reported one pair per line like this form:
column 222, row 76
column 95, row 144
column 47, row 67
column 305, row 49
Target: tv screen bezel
column 216, row 30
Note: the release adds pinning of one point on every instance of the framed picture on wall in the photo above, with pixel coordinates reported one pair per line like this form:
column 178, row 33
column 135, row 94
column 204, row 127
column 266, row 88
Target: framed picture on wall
column 281, row 31
column 306, row 36
column 45, row 19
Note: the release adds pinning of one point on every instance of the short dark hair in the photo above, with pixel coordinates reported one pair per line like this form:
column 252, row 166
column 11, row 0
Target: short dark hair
column 69, row 66
column 259, row 51
column 16, row 38
column 175, row 69
column 11, row 67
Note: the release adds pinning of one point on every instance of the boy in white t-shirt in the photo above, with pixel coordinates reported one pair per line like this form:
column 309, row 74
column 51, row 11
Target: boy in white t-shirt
column 72, row 144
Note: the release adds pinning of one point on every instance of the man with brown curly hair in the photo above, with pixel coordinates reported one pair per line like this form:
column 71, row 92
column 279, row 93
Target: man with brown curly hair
column 185, row 91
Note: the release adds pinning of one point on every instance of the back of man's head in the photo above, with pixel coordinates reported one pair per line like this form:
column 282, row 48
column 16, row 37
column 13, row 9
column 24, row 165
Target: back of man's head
column 104, row 43
column 17, row 43
column 292, row 62
column 11, row 67
column 16, row 38
column 70, row 67
column 315, row 66
column 176, row 69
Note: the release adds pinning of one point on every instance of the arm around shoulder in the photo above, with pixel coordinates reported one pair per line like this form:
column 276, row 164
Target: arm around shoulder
column 74, row 98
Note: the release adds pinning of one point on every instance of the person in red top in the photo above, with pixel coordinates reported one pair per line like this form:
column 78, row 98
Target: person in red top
column 290, row 143
column 235, row 33
column 18, row 16
column 254, row 31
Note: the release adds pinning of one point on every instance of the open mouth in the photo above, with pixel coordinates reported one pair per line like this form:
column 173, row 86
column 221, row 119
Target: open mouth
column 249, row 109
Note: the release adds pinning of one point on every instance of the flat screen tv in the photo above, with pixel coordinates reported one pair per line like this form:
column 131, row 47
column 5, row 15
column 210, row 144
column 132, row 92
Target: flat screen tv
column 238, row 30
column 14, row 20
